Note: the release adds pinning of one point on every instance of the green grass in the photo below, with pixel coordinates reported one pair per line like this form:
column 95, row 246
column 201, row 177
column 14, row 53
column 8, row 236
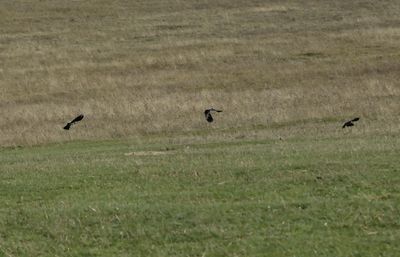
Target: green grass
column 297, row 197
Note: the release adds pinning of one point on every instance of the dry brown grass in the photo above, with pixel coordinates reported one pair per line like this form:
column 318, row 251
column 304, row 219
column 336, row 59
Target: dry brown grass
column 138, row 67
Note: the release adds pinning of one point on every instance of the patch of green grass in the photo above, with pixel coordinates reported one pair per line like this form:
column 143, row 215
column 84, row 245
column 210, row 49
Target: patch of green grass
column 297, row 197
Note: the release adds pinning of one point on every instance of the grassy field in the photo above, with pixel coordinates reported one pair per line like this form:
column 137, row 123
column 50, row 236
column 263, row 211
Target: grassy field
column 140, row 67
column 145, row 175
column 326, row 197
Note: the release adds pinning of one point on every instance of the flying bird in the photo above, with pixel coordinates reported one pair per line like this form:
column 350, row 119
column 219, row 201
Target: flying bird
column 350, row 123
column 207, row 114
column 72, row 122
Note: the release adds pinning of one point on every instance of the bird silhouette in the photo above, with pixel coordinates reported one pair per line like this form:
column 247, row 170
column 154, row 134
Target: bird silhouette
column 72, row 122
column 207, row 114
column 350, row 123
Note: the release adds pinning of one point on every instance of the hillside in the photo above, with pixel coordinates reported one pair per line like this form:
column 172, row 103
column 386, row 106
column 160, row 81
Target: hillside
column 276, row 68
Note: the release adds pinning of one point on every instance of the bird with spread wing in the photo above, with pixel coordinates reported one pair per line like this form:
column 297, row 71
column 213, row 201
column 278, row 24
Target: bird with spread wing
column 350, row 123
column 207, row 114
column 72, row 122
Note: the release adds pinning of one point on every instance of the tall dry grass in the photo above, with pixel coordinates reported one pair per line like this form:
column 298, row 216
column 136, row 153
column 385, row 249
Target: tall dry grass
column 139, row 67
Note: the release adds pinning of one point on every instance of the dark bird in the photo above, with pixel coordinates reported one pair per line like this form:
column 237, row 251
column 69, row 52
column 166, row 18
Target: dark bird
column 72, row 122
column 208, row 115
column 350, row 123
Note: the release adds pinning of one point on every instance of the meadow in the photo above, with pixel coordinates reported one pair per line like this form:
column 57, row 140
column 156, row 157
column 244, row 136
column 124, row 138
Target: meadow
column 145, row 175
column 327, row 197
column 140, row 67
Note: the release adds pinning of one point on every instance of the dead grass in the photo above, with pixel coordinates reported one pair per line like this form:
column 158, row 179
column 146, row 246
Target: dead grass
column 152, row 67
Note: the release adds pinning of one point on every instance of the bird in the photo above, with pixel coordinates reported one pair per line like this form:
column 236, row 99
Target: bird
column 72, row 122
column 350, row 123
column 207, row 114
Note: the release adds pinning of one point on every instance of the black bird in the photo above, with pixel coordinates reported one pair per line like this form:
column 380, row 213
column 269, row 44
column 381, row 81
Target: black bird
column 350, row 123
column 207, row 113
column 72, row 122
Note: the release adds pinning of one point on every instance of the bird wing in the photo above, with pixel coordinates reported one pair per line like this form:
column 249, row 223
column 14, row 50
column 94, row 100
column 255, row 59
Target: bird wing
column 355, row 119
column 79, row 118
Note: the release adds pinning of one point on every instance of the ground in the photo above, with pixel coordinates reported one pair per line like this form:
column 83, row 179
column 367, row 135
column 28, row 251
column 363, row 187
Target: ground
column 145, row 175
column 325, row 197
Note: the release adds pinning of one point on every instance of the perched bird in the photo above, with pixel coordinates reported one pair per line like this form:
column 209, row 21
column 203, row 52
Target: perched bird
column 72, row 122
column 350, row 123
column 207, row 114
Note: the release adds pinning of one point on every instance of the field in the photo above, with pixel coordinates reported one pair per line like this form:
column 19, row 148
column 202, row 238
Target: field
column 328, row 197
column 145, row 175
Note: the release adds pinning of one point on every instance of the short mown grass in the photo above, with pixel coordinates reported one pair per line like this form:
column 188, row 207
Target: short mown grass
column 297, row 197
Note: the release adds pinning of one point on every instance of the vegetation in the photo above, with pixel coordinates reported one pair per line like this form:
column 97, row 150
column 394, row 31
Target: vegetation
column 237, row 198
column 139, row 67
column 145, row 175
